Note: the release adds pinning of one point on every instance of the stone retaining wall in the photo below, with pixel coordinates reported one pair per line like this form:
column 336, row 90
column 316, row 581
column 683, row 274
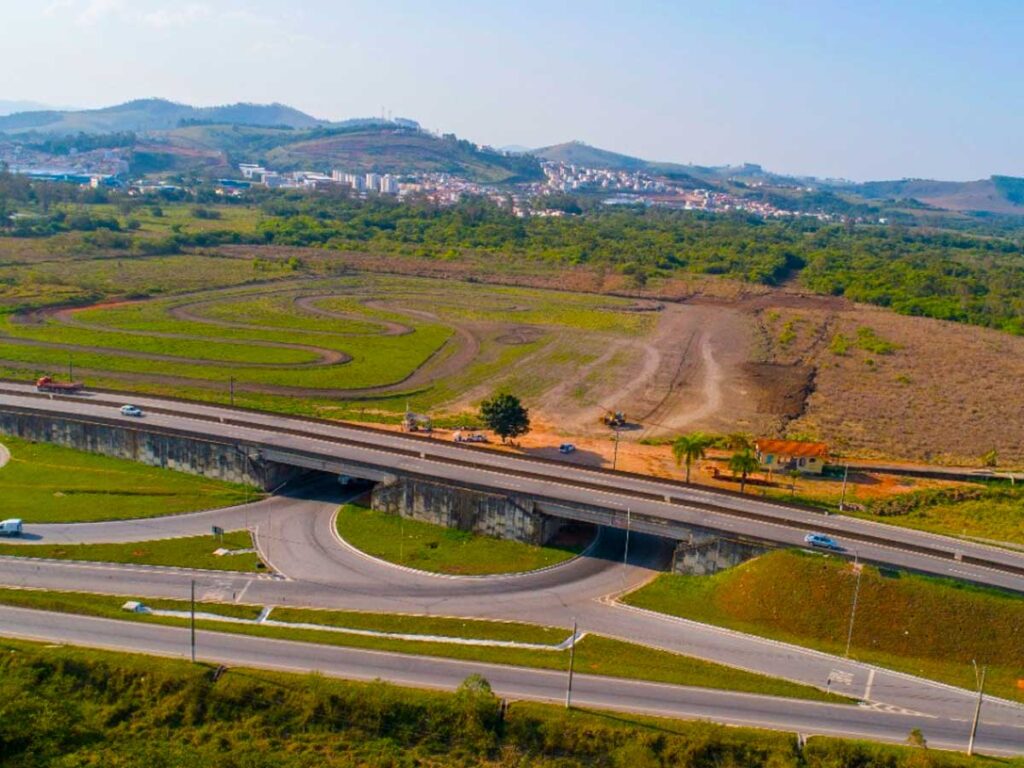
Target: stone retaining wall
column 231, row 462
column 703, row 555
column 503, row 516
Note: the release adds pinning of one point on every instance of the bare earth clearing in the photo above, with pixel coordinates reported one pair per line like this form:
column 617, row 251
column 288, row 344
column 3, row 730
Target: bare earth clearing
column 359, row 336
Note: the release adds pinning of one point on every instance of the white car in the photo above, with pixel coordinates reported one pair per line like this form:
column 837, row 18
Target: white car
column 10, row 527
column 131, row 410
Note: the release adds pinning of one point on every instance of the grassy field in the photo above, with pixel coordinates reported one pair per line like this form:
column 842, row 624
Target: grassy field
column 138, row 710
column 916, row 624
column 594, row 654
column 334, row 333
column 184, row 552
column 437, row 548
column 49, row 484
column 996, row 514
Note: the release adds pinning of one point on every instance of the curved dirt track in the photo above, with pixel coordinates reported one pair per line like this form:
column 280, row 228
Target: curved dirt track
column 308, row 304
column 441, row 363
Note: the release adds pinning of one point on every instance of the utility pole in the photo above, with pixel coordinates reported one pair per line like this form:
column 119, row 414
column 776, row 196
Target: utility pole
column 853, row 608
column 192, row 623
column 625, row 556
column 71, row 368
column 615, row 456
column 977, row 709
column 231, row 385
column 572, row 664
column 842, row 496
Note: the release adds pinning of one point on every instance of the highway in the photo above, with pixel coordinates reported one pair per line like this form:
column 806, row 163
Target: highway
column 648, row 499
column 512, row 682
column 296, row 534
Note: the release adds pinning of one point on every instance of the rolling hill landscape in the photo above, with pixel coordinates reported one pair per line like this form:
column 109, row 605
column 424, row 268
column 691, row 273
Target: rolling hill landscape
column 169, row 137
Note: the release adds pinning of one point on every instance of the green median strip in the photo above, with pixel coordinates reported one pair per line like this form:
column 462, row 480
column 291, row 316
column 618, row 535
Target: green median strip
column 595, row 654
column 184, row 552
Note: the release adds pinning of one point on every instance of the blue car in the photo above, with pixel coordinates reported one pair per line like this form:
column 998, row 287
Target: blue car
column 823, row 541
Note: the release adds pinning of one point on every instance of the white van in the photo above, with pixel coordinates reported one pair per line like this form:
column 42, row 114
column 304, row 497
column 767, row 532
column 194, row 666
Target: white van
column 10, row 527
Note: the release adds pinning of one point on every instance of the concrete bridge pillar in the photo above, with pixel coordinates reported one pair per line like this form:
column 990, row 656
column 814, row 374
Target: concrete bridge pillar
column 707, row 553
column 501, row 515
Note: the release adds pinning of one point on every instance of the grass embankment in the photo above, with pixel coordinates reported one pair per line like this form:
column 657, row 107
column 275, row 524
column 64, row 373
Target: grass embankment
column 84, row 707
column 594, row 654
column 439, row 549
column 916, row 624
column 992, row 513
column 183, row 552
column 45, row 483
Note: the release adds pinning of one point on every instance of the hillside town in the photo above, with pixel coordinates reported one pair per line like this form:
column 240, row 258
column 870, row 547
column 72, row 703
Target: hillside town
column 111, row 167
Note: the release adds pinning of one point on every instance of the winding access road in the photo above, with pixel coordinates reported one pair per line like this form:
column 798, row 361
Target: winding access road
column 656, row 505
column 296, row 534
column 512, row 682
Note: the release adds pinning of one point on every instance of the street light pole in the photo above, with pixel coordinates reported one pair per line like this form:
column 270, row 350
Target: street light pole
column 853, row 608
column 192, row 623
column 71, row 368
column 572, row 664
column 977, row 709
column 615, row 456
column 842, row 496
column 231, row 384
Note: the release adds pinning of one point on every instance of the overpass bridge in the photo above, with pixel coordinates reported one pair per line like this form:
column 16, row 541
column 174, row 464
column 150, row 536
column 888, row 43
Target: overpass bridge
column 509, row 494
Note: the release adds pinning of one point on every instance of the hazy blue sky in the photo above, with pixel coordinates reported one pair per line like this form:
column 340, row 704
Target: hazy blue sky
column 861, row 89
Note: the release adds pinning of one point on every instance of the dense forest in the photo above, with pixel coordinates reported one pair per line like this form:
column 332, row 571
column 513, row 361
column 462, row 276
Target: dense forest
column 972, row 278
column 61, row 706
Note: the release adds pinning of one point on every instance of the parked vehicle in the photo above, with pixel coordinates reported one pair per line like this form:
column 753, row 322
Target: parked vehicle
column 131, row 410
column 822, row 541
column 566, row 448
column 47, row 384
column 10, row 527
column 614, row 420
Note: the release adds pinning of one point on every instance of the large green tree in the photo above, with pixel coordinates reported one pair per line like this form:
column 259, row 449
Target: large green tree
column 690, row 448
column 505, row 415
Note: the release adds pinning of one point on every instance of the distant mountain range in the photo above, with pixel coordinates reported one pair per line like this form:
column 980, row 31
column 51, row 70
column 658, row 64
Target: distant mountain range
column 144, row 115
column 171, row 138
column 998, row 194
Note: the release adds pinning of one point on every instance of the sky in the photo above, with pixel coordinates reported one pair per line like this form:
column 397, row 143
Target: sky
column 859, row 89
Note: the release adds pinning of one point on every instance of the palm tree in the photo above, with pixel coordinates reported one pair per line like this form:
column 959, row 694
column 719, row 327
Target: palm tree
column 690, row 448
column 743, row 463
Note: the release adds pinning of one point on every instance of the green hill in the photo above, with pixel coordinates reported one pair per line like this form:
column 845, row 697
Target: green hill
column 143, row 115
column 399, row 150
column 578, row 153
column 916, row 624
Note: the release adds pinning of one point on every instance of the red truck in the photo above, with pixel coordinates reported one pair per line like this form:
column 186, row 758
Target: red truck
column 47, row 384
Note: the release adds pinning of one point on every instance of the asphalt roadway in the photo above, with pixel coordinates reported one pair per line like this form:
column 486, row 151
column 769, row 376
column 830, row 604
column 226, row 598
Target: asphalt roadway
column 600, row 693
column 649, row 498
column 297, row 535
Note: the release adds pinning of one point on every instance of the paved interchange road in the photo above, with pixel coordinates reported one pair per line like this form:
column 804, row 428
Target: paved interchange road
column 296, row 534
